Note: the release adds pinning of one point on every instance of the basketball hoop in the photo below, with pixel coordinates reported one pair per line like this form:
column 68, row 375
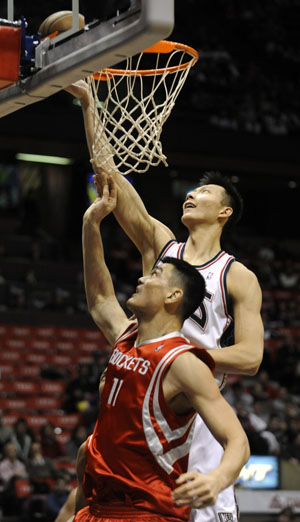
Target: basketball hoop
column 132, row 104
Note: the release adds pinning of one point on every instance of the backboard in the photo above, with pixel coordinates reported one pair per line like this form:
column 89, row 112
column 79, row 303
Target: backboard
column 76, row 53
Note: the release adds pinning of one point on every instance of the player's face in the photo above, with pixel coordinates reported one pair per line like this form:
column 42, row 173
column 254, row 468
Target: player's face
column 151, row 291
column 203, row 204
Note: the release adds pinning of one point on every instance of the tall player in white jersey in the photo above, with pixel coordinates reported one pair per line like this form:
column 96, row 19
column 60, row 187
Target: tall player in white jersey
column 232, row 290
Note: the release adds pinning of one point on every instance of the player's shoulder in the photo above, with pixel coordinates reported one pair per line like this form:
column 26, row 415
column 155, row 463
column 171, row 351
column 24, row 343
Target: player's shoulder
column 240, row 277
column 187, row 358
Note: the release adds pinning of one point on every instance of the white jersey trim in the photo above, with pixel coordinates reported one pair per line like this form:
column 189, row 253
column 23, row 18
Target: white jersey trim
column 166, row 460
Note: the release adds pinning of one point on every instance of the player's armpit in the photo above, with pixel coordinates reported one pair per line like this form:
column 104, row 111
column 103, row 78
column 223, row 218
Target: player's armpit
column 245, row 355
column 192, row 377
column 110, row 318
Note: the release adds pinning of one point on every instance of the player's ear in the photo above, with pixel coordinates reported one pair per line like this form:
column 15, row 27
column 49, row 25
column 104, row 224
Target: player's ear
column 174, row 296
column 226, row 212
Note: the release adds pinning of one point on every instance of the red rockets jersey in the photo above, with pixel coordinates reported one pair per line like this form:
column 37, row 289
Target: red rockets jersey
column 211, row 325
column 139, row 447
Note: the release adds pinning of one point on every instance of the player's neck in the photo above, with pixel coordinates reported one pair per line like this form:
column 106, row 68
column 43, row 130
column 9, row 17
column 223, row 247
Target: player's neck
column 202, row 245
column 155, row 327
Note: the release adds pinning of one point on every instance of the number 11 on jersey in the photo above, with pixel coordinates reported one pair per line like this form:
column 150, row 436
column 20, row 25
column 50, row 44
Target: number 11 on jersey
column 114, row 392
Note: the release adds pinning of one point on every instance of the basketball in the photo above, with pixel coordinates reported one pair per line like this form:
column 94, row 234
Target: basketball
column 60, row 22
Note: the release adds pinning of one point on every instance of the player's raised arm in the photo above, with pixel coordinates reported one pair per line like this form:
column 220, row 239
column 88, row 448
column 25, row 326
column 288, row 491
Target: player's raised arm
column 147, row 233
column 192, row 377
column 245, row 356
column 102, row 302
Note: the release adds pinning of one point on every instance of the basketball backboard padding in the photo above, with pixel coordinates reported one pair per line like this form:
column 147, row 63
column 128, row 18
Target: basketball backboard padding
column 101, row 45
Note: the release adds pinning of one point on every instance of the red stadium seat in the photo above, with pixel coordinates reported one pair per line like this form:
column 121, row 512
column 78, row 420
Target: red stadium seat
column 36, row 421
column 26, row 387
column 65, row 346
column 65, row 421
column 12, row 403
column 10, row 419
column 37, row 358
column 41, row 344
column 7, row 370
column 69, row 465
column 62, row 360
column 16, row 343
column 23, row 488
column 21, row 331
column 68, row 333
column 31, row 371
column 46, row 332
column 93, row 335
column 10, row 355
column 44, row 403
column 88, row 347
column 52, row 388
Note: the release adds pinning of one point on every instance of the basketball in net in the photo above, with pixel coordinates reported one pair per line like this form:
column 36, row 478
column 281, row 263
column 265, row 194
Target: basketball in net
column 132, row 104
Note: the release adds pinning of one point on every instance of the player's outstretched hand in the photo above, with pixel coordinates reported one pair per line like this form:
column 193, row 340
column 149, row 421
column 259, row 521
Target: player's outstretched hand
column 81, row 91
column 196, row 490
column 100, row 179
column 104, row 204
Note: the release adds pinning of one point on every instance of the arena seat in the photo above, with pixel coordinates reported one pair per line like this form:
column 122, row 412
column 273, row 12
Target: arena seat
column 30, row 372
column 23, row 488
column 52, row 388
column 7, row 371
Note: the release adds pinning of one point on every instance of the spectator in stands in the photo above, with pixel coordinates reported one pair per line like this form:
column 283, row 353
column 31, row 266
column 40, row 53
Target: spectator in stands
column 22, row 438
column 79, row 390
column 100, row 360
column 258, row 445
column 278, row 427
column 82, row 381
column 74, row 400
column 39, row 468
column 281, row 402
column 288, row 277
column 57, row 496
column 260, row 425
column 11, row 468
column 78, row 436
column 50, row 446
column 6, row 432
column 295, row 450
column 237, row 393
column 285, row 362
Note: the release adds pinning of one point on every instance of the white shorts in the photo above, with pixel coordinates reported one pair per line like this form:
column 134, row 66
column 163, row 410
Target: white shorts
column 205, row 455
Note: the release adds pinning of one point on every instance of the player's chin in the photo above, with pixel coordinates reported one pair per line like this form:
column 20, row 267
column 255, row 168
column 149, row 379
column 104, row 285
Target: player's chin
column 130, row 303
column 185, row 216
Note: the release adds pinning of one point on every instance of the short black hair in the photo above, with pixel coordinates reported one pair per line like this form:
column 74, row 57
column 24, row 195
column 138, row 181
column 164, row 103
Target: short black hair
column 235, row 201
column 193, row 285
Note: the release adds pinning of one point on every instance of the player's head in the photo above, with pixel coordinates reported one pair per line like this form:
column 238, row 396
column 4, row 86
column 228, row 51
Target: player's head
column 191, row 282
column 214, row 199
column 232, row 197
column 174, row 286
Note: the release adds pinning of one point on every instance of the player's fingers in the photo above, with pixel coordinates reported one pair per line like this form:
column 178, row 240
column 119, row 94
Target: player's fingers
column 98, row 182
column 105, row 191
column 112, row 187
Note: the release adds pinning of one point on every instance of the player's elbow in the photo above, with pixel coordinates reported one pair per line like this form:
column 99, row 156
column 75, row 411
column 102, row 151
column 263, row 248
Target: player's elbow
column 254, row 364
column 246, row 449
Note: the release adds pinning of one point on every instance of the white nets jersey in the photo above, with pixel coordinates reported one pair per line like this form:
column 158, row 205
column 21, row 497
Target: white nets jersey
column 211, row 327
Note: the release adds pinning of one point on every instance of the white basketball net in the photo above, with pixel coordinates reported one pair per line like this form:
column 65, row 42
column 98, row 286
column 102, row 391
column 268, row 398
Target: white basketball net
column 130, row 109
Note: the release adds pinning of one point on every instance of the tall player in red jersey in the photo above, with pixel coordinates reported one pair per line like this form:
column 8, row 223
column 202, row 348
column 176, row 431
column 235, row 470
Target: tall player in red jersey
column 156, row 381
column 233, row 299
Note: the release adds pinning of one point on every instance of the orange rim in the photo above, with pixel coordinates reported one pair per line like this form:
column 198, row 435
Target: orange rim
column 162, row 47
